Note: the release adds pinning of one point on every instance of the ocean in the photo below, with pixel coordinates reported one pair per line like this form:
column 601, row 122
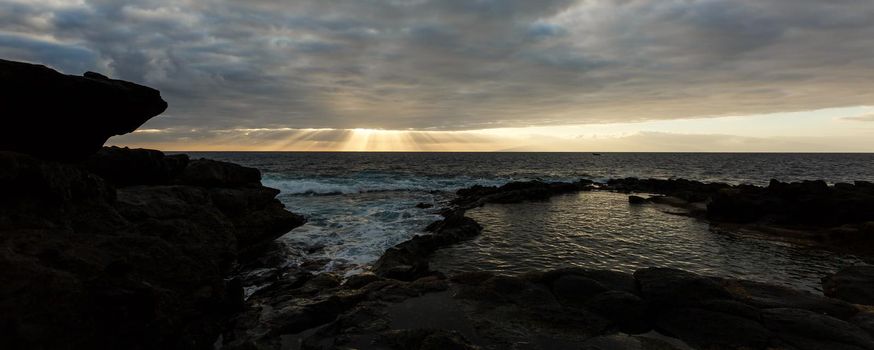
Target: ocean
column 360, row 204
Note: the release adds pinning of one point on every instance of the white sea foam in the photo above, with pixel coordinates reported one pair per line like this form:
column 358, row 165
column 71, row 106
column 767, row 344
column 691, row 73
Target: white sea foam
column 339, row 186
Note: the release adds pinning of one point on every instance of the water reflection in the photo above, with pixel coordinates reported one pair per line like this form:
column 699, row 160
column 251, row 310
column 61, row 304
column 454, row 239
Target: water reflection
column 600, row 230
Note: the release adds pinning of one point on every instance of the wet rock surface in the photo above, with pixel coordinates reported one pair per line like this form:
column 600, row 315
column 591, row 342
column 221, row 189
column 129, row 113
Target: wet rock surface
column 572, row 308
column 560, row 309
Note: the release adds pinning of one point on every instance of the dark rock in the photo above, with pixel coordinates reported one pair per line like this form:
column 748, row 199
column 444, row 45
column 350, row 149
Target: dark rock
column 612, row 280
column 864, row 320
column 626, row 342
column 853, row 284
column 829, row 215
column 360, row 280
column 768, row 296
column 664, row 287
column 806, row 203
column 732, row 307
column 212, row 173
column 65, row 117
column 690, row 191
column 575, row 289
column 626, row 310
column 713, row 330
column 425, row 339
column 408, row 260
column 516, row 192
column 810, row 330
column 128, row 167
column 637, row 200
column 86, row 265
column 424, row 205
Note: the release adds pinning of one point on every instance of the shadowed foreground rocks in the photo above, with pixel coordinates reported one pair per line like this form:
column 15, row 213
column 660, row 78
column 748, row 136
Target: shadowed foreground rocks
column 66, row 117
column 98, row 256
column 854, row 284
column 571, row 308
column 115, row 248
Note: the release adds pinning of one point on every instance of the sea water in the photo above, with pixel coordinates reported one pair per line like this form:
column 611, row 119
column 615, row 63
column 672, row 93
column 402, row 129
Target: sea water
column 360, row 204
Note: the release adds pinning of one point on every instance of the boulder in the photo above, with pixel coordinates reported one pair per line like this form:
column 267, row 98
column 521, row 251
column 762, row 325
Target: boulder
column 854, row 284
column 810, row 330
column 767, row 296
column 705, row 329
column 611, row 280
column 637, row 200
column 64, row 117
column 627, row 311
column 665, row 287
column 575, row 289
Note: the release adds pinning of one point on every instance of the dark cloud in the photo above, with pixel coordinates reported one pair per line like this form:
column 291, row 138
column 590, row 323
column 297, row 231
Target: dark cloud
column 456, row 64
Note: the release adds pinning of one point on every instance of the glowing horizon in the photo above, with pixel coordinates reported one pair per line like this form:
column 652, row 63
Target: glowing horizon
column 826, row 130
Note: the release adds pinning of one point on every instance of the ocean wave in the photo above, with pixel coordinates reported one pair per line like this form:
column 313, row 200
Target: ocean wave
column 341, row 186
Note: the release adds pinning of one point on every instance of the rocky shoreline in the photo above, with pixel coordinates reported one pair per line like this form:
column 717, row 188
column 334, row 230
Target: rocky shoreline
column 116, row 248
column 92, row 263
column 404, row 304
column 129, row 248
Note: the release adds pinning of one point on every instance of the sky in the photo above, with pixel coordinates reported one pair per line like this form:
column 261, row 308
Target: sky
column 474, row 75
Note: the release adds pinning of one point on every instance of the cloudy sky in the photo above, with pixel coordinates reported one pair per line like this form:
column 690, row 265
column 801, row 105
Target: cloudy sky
column 480, row 75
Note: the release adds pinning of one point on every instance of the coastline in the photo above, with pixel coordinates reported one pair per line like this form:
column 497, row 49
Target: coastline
column 106, row 247
column 616, row 310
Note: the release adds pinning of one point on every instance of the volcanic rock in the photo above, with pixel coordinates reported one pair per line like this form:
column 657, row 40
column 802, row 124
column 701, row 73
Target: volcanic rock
column 65, row 117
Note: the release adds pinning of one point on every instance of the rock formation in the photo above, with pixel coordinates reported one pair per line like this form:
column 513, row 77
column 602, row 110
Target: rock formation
column 65, row 117
column 115, row 248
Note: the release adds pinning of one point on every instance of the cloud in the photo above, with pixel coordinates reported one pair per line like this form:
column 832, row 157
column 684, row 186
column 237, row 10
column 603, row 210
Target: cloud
column 861, row 118
column 505, row 139
column 456, row 64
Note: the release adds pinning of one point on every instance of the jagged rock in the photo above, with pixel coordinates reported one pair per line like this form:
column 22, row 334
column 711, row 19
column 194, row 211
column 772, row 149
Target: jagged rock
column 88, row 265
column 854, row 284
column 409, row 260
column 127, row 167
column 807, row 203
column 212, row 173
column 516, row 192
column 56, row 116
